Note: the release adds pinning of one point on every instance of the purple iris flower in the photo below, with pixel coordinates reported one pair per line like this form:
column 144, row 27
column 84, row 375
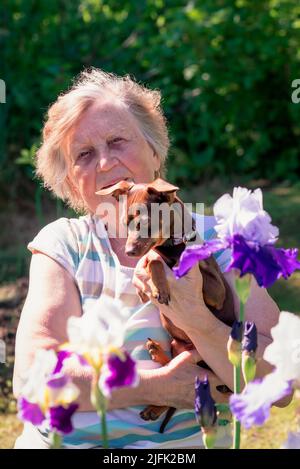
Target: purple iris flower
column 252, row 406
column 237, row 331
column 195, row 253
column 58, row 380
column 205, row 408
column 243, row 226
column 61, row 357
column 49, row 395
column 119, row 373
column 60, row 418
column 30, row 412
column 64, row 355
column 249, row 343
column 266, row 263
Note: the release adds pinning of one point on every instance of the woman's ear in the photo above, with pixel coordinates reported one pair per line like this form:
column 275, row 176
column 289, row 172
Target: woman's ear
column 164, row 188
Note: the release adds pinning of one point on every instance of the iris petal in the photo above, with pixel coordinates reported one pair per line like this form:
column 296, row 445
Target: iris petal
column 195, row 253
column 119, row 373
column 30, row 412
column 266, row 263
column 60, row 418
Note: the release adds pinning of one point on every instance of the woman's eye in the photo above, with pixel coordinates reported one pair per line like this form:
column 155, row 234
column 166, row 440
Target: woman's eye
column 115, row 140
column 84, row 154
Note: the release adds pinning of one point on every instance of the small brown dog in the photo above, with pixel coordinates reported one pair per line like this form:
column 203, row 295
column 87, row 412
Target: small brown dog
column 168, row 238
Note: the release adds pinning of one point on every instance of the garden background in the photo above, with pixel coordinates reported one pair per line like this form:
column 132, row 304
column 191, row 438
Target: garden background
column 225, row 70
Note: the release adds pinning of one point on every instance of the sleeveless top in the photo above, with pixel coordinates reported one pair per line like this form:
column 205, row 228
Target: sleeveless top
column 81, row 246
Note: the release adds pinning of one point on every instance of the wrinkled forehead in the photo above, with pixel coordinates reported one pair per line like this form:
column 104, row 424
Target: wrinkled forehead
column 102, row 121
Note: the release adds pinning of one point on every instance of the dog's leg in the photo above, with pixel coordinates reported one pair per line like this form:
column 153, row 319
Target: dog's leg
column 156, row 352
column 153, row 412
column 160, row 286
column 143, row 297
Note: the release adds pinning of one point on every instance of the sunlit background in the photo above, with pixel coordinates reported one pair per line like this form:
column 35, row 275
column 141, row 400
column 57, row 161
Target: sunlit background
column 225, row 69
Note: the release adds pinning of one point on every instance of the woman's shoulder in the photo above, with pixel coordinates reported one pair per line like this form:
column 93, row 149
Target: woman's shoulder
column 65, row 226
column 62, row 240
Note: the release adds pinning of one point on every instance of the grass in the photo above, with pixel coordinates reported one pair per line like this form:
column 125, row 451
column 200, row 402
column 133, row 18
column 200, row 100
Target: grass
column 276, row 429
column 10, row 428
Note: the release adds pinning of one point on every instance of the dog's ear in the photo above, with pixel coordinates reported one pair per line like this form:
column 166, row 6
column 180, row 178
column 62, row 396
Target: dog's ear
column 159, row 186
column 122, row 187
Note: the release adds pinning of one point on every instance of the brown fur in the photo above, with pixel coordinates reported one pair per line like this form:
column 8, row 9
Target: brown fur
column 216, row 291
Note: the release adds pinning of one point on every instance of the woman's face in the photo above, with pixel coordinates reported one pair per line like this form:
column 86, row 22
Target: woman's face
column 107, row 146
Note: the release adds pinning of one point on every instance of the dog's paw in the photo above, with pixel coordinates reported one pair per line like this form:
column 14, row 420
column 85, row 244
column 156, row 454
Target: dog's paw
column 156, row 352
column 152, row 412
column 143, row 297
column 163, row 298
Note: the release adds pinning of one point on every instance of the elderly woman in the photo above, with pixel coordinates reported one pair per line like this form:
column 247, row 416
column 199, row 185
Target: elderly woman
column 103, row 130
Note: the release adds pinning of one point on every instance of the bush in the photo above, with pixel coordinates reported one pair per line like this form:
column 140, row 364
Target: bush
column 225, row 69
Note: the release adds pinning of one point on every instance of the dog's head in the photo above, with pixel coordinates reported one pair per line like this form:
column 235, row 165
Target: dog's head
column 145, row 211
column 146, row 231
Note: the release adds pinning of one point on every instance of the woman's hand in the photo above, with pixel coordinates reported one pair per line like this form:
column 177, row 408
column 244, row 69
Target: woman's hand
column 179, row 381
column 186, row 307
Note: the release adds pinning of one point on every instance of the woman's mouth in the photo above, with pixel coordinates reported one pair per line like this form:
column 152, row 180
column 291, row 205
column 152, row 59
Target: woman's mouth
column 129, row 179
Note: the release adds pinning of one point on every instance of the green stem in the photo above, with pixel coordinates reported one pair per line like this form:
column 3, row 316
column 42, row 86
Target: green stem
column 99, row 402
column 56, row 441
column 242, row 312
column 237, row 390
column 104, row 427
column 236, row 423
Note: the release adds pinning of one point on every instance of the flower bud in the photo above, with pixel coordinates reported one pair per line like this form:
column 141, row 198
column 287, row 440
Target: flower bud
column 249, row 346
column 205, row 408
column 209, row 437
column 249, row 343
column 234, row 343
column 248, row 367
column 206, row 412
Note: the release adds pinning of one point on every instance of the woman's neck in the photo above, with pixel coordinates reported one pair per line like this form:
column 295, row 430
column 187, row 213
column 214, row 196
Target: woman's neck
column 118, row 246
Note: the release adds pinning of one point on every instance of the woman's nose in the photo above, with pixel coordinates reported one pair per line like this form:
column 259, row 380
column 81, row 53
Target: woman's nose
column 105, row 162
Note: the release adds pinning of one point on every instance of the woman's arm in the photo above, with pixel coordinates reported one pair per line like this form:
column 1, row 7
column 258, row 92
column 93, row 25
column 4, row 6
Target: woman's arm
column 212, row 336
column 52, row 298
column 211, row 341
column 188, row 311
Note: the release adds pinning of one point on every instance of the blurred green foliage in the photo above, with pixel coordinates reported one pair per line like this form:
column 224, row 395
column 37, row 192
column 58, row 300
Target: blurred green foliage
column 224, row 67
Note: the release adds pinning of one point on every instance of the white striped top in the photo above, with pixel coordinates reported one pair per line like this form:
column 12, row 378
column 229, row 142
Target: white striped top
column 83, row 248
